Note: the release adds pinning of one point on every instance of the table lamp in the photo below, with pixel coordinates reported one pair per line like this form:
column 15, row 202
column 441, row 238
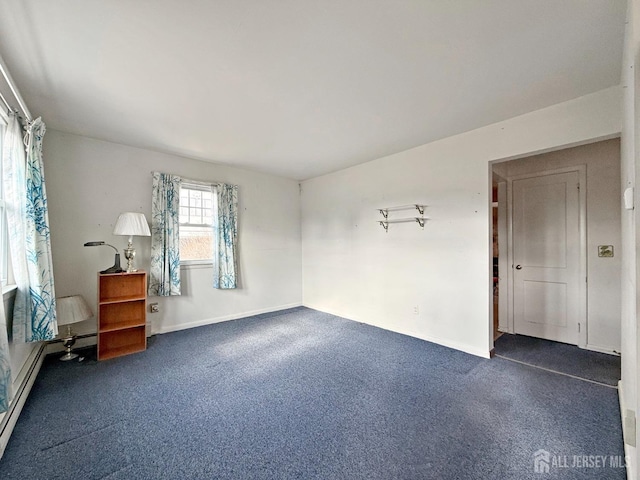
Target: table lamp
column 71, row 309
column 131, row 224
column 116, row 266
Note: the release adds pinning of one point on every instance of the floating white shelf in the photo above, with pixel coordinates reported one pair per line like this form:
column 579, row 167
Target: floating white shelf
column 385, row 213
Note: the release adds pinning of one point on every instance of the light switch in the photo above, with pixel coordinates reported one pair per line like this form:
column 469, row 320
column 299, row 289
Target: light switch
column 628, row 198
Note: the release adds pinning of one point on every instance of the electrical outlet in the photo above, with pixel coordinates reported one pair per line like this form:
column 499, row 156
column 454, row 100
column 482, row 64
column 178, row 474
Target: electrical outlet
column 154, row 308
column 416, row 310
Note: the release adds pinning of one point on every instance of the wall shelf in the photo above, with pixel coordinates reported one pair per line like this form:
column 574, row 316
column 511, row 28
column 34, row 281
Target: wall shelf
column 421, row 220
column 385, row 211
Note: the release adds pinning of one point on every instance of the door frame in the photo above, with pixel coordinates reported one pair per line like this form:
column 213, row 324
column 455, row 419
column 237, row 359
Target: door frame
column 582, row 197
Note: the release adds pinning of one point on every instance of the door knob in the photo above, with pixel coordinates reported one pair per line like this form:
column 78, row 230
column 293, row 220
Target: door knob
column 518, row 267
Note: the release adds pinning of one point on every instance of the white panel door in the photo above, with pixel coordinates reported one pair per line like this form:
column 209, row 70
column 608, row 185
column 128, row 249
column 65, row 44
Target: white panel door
column 546, row 257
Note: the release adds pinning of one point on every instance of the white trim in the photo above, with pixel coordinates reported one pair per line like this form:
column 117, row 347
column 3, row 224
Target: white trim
column 199, row 185
column 9, row 291
column 25, row 381
column 509, row 282
column 14, row 90
column 224, row 318
column 628, row 449
column 584, row 272
column 582, row 175
column 503, row 259
column 427, row 338
column 600, row 349
column 206, row 228
column 190, row 264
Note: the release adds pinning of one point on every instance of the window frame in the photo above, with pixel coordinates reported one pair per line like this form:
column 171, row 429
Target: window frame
column 6, row 277
column 203, row 187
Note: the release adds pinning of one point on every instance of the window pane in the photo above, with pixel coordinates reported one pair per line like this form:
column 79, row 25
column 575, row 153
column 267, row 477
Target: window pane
column 196, row 214
column 196, row 243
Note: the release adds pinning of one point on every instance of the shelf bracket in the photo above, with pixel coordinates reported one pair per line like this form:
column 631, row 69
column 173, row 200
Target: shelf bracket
column 420, row 221
column 385, row 225
column 384, row 212
column 420, row 209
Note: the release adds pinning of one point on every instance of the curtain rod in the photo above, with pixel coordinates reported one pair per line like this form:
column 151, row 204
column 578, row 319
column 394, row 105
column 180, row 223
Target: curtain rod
column 4, row 100
column 189, row 180
column 14, row 91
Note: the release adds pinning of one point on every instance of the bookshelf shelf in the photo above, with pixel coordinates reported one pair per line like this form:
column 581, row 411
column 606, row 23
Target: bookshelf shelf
column 122, row 307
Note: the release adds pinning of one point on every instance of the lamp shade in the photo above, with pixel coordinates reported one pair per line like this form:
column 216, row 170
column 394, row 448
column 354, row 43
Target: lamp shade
column 132, row 223
column 72, row 309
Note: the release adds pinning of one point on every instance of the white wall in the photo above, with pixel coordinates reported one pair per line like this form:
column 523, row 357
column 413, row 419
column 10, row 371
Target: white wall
column 602, row 161
column 90, row 182
column 629, row 172
column 352, row 268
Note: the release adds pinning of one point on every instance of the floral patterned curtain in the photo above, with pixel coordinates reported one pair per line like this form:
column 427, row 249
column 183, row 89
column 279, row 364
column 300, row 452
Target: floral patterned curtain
column 43, row 299
column 164, row 275
column 34, row 315
column 225, row 227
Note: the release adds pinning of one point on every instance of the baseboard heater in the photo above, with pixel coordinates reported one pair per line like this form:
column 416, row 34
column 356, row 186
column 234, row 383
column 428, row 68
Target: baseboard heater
column 10, row 417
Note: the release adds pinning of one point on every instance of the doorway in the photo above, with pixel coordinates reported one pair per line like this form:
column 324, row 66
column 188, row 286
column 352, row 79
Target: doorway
column 499, row 260
column 558, row 211
column 544, row 246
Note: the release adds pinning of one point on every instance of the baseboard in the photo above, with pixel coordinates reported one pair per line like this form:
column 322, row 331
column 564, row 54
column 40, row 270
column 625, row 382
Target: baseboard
column 428, row 338
column 629, row 451
column 84, row 340
column 22, row 392
column 224, row 318
column 597, row 348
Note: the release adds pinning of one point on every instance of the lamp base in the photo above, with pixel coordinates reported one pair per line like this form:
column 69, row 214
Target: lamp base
column 130, row 254
column 116, row 266
column 68, row 356
column 69, row 341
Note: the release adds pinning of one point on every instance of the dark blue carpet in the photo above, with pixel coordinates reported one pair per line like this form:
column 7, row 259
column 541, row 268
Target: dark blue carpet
column 569, row 359
column 306, row 395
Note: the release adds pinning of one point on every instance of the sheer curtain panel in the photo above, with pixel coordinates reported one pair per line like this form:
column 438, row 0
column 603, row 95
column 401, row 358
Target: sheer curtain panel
column 5, row 364
column 5, row 361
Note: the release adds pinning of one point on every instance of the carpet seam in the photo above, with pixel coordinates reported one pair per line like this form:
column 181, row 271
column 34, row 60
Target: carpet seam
column 555, row 371
column 79, row 436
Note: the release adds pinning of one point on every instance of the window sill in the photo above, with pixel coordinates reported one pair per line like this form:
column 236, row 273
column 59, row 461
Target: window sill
column 196, row 264
column 9, row 291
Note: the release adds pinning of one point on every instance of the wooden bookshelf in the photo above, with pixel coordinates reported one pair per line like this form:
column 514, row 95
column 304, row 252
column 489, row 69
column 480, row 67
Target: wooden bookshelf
column 122, row 312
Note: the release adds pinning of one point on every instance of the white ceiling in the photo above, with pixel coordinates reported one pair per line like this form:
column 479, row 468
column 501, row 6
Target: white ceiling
column 300, row 88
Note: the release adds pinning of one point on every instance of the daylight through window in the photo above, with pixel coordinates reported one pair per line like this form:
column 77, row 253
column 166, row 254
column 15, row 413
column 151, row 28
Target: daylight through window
column 197, row 207
column 4, row 244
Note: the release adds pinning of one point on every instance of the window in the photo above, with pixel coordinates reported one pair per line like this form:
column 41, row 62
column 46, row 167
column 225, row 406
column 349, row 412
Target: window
column 4, row 241
column 197, row 205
